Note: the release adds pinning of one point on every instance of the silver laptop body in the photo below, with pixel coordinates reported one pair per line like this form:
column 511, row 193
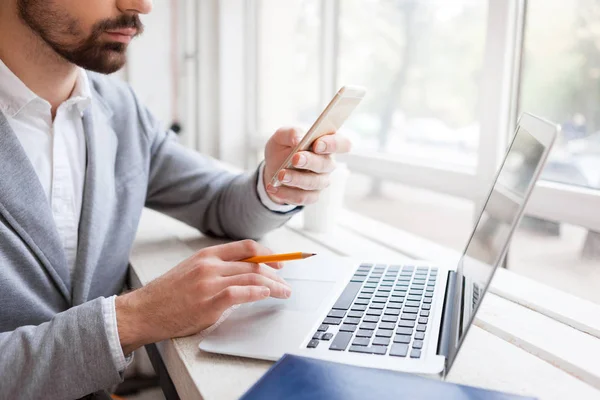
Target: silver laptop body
column 410, row 317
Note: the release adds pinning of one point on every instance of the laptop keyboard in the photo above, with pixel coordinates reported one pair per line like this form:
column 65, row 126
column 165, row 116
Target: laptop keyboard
column 383, row 310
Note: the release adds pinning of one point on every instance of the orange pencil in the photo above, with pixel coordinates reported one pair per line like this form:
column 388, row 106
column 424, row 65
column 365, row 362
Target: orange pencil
column 278, row 257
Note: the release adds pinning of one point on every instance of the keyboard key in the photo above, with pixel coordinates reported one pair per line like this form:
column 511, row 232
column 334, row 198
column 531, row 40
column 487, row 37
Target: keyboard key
column 380, row 300
column 357, row 279
column 377, row 306
column 378, row 350
column 337, row 313
column 429, row 294
column 368, row 291
column 423, row 320
column 332, row 321
column 368, row 325
column 399, row 350
column 361, row 342
column 371, row 318
column 359, row 307
column 434, row 269
column 381, row 341
column 382, row 295
column 364, row 333
column 360, row 349
column 426, row 307
column 414, row 298
column 415, row 293
column 404, row 331
column 370, row 285
column 387, row 325
column 419, row 336
column 395, row 304
column 323, row 328
column 413, row 303
column 421, row 328
column 415, row 353
column 424, row 313
column 341, row 341
column 406, row 324
column 392, row 311
column 387, row 282
column 374, row 311
column 389, row 318
column 411, row 310
column 402, row 339
column 417, row 344
column 362, row 302
column 409, row 317
column 347, row 328
column 384, row 290
column 352, row 321
column 366, row 265
column 312, row 344
column 347, row 297
column 327, row 336
column 318, row 336
column 427, row 300
column 384, row 333
column 355, row 314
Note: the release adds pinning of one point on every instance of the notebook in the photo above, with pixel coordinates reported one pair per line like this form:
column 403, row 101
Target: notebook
column 300, row 378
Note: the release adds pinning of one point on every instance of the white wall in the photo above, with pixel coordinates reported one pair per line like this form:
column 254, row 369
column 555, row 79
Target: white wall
column 148, row 67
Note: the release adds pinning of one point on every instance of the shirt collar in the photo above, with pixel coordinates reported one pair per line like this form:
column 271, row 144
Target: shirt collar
column 15, row 95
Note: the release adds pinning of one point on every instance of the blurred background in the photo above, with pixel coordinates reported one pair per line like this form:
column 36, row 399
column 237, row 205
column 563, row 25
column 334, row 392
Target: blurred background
column 446, row 83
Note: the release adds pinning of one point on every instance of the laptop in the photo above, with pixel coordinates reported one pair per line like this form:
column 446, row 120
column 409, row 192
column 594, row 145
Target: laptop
column 410, row 317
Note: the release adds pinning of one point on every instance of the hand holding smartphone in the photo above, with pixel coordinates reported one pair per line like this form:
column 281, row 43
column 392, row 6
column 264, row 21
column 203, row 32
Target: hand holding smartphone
column 331, row 119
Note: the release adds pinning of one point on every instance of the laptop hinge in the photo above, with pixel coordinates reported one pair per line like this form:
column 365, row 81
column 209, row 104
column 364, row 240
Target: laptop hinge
column 446, row 325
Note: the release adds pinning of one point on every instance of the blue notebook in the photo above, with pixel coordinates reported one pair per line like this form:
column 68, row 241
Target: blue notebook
column 300, row 378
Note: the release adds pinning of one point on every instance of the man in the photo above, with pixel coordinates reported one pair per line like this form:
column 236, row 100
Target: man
column 80, row 157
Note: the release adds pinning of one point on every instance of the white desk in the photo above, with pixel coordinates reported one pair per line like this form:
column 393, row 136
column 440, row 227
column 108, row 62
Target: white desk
column 529, row 339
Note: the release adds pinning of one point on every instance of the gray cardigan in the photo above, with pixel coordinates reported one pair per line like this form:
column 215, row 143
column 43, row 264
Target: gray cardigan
column 53, row 342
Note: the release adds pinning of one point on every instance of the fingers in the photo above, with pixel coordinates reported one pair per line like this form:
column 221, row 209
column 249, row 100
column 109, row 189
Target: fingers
column 288, row 136
column 236, row 251
column 238, row 268
column 303, row 180
column 278, row 289
column 294, row 196
column 233, row 295
column 307, row 160
column 330, row 144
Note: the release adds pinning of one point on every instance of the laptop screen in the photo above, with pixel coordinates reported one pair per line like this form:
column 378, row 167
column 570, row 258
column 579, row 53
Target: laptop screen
column 487, row 245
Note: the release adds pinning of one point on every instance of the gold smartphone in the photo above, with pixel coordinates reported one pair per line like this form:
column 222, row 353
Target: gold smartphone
column 331, row 119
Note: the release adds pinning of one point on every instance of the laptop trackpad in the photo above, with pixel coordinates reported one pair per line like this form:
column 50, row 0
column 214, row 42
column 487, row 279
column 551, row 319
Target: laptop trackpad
column 269, row 328
column 307, row 295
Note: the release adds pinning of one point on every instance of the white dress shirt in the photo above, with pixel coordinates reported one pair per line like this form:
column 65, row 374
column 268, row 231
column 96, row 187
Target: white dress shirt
column 57, row 151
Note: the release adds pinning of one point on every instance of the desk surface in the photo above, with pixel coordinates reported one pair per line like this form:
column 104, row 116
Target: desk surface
column 528, row 339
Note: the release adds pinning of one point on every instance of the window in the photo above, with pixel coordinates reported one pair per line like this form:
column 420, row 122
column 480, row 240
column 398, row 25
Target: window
column 446, row 82
column 423, row 71
column 561, row 81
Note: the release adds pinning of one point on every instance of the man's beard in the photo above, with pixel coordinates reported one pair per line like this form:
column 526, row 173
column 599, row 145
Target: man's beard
column 55, row 27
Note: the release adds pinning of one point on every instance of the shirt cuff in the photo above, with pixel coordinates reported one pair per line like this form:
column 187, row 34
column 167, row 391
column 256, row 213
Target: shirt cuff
column 264, row 197
column 110, row 320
